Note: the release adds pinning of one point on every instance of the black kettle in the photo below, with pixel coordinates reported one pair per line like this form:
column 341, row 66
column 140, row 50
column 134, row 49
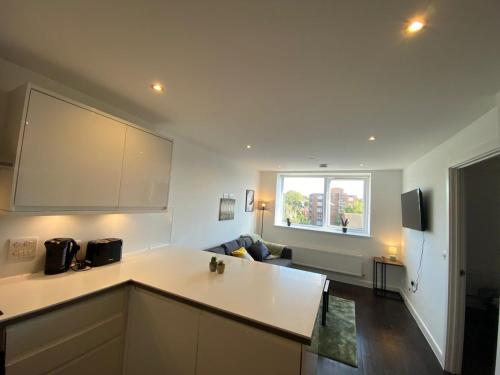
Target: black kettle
column 59, row 254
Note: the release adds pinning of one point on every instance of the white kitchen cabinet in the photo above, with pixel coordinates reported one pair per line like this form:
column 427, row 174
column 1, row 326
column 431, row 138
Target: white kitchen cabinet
column 161, row 335
column 70, row 157
column 146, row 170
column 57, row 339
column 100, row 361
column 246, row 350
column 59, row 155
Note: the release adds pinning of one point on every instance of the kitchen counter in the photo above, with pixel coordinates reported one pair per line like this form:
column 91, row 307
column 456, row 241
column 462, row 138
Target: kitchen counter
column 283, row 300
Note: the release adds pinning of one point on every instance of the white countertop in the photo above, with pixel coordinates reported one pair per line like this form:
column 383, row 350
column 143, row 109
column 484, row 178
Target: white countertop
column 283, row 298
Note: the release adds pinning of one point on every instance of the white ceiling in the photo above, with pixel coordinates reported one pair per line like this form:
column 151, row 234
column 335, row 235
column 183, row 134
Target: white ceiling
column 303, row 81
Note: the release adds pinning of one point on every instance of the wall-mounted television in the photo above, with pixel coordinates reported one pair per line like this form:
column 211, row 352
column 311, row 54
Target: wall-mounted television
column 412, row 207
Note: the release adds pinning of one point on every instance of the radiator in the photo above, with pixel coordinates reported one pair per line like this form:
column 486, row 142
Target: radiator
column 345, row 262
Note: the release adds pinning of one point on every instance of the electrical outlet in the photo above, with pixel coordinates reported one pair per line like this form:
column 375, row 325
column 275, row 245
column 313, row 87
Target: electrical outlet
column 23, row 248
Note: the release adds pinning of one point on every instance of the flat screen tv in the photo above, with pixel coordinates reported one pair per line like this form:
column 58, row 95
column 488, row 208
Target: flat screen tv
column 413, row 210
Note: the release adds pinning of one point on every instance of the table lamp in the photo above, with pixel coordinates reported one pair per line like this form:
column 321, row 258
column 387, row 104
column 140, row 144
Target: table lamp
column 393, row 252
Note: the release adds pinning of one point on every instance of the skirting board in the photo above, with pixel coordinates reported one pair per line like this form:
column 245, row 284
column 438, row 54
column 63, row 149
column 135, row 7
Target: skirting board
column 425, row 331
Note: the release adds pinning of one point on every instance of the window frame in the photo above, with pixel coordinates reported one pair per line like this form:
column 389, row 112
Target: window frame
column 326, row 227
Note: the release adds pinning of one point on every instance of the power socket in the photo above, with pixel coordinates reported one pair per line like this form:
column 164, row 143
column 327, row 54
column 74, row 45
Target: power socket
column 22, row 249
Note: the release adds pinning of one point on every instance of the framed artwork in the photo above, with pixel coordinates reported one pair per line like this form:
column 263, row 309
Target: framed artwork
column 226, row 209
column 249, row 202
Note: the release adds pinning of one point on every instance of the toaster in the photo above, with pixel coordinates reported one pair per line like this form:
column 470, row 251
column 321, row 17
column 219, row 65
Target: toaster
column 102, row 252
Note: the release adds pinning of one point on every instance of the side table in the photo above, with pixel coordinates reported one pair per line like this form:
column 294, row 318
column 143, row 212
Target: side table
column 383, row 262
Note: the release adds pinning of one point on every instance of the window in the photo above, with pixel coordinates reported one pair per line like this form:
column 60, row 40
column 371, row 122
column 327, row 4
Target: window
column 320, row 202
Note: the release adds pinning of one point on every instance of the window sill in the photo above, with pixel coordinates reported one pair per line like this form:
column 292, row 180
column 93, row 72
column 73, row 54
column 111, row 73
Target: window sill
column 322, row 230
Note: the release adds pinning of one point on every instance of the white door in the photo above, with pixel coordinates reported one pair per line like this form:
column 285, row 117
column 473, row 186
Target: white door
column 161, row 335
column 146, row 170
column 71, row 156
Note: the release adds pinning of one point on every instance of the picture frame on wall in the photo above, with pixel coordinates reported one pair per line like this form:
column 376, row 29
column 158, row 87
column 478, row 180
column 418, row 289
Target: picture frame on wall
column 250, row 201
column 226, row 209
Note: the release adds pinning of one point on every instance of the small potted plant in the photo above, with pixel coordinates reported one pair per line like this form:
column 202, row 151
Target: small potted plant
column 344, row 222
column 220, row 267
column 213, row 264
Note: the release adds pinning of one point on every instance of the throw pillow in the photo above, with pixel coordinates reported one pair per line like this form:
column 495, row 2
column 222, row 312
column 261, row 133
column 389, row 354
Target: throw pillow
column 258, row 251
column 242, row 253
column 275, row 248
column 231, row 246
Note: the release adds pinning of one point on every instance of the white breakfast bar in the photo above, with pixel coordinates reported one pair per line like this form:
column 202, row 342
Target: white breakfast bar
column 158, row 312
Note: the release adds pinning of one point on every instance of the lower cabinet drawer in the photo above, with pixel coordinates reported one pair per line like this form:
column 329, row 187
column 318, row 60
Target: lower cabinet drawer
column 55, row 354
column 104, row 360
column 32, row 334
column 54, row 339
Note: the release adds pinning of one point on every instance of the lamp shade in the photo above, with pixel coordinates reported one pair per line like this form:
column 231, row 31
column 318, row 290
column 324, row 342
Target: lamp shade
column 393, row 250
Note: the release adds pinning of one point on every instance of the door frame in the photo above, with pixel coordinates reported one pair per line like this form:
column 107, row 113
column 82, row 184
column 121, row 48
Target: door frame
column 457, row 262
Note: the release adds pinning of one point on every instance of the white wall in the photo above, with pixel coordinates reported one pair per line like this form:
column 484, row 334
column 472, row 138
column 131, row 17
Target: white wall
column 199, row 178
column 430, row 173
column 385, row 229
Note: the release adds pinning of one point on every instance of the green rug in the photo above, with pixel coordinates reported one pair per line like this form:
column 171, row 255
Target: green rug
column 337, row 339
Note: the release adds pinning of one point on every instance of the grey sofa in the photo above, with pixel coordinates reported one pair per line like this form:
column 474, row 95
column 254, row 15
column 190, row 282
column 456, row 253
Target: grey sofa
column 281, row 255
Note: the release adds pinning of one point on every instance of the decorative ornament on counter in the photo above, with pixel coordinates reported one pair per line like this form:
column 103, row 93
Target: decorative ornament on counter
column 213, row 264
column 221, row 267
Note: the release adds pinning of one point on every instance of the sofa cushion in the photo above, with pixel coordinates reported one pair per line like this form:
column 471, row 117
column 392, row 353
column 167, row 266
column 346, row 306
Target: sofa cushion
column 279, row 261
column 254, row 236
column 217, row 250
column 242, row 253
column 231, row 246
column 247, row 241
column 274, row 248
column 258, row 251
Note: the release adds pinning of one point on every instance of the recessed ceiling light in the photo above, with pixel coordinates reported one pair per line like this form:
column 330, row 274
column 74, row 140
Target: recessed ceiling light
column 279, row 166
column 361, row 165
column 415, row 26
column 158, row 87
column 323, row 165
column 249, row 147
column 372, row 138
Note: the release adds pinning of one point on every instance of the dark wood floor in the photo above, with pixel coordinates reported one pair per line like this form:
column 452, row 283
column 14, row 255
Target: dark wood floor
column 389, row 340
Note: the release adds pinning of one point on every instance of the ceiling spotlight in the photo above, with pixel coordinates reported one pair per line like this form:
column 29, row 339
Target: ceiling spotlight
column 323, row 165
column 415, row 26
column 361, row 165
column 372, row 138
column 249, row 147
column 158, row 87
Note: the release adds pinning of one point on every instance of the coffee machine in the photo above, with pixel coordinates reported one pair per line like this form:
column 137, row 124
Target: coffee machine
column 59, row 254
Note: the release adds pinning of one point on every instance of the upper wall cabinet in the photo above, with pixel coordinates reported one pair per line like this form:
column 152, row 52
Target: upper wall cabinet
column 60, row 155
column 146, row 175
column 70, row 157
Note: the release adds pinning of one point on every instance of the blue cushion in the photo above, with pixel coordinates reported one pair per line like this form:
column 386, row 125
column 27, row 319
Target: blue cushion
column 231, row 246
column 259, row 251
